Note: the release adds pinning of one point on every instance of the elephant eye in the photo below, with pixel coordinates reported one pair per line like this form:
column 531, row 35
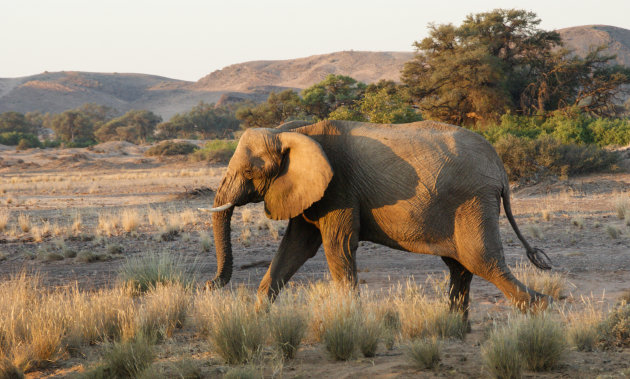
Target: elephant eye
column 248, row 173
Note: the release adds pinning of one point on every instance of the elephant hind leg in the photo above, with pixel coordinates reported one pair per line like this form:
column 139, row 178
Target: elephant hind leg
column 479, row 250
column 459, row 287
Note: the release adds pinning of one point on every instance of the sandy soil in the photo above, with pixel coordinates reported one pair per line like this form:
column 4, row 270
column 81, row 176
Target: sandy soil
column 54, row 186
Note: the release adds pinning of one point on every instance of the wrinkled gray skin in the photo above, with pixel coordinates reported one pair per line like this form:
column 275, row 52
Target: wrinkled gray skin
column 425, row 187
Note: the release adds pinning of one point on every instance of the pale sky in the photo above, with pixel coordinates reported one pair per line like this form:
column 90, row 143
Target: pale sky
column 187, row 39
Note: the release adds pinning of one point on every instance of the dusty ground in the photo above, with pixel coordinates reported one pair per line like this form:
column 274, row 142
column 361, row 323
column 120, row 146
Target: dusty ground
column 55, row 186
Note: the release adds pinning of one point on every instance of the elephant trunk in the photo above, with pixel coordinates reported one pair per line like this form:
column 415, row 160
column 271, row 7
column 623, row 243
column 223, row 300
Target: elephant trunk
column 223, row 244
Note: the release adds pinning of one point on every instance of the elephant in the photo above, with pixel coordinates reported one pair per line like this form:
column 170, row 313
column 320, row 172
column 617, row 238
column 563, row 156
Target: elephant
column 424, row 187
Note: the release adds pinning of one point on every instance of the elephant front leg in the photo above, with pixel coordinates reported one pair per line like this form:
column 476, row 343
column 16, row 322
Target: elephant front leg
column 300, row 243
column 340, row 236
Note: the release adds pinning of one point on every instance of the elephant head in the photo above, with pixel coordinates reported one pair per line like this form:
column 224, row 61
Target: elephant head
column 287, row 170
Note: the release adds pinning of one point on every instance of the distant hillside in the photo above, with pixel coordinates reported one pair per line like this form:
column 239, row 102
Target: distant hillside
column 59, row 91
column 365, row 66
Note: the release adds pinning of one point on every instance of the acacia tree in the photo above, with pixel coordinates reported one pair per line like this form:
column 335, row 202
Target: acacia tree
column 331, row 93
column 73, row 126
column 278, row 108
column 501, row 61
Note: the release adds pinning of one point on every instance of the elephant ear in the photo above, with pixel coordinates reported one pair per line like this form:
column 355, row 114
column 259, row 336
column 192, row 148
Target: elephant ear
column 303, row 178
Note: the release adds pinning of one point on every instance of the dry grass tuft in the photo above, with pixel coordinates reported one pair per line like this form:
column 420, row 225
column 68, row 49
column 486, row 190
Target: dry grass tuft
column 128, row 359
column 107, row 224
column 145, row 272
column 9, row 371
column 205, row 239
column 549, row 283
column 246, row 236
column 622, row 206
column 41, row 232
column 424, row 353
column 243, row 372
column 540, row 339
column 370, row 334
column 130, row 220
column 545, row 214
column 156, row 217
column 164, row 309
column 613, row 232
column 246, row 215
column 287, row 323
column 422, row 316
column 234, row 327
column 582, row 322
column 77, row 223
column 5, row 215
column 501, row 356
column 24, row 222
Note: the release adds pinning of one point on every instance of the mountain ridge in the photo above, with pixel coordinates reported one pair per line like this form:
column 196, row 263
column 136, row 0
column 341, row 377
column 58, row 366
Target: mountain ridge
column 253, row 80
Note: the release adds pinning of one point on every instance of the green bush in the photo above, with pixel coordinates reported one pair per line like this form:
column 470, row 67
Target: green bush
column 22, row 140
column 533, row 159
column 169, row 148
column 615, row 329
column 215, row 151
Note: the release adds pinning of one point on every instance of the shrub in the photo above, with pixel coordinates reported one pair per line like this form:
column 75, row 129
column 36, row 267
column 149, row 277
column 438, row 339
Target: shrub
column 534, row 159
column 146, row 271
column 540, row 341
column 169, row 148
column 500, row 354
column 19, row 139
column 614, row 330
column 215, row 151
column 424, row 353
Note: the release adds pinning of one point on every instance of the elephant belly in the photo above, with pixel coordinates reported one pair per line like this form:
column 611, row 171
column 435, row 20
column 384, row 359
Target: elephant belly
column 425, row 231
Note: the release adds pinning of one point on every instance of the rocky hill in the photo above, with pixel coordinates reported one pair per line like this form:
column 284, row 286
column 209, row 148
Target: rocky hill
column 59, row 91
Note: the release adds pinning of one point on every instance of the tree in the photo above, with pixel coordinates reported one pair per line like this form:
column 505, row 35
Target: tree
column 382, row 106
column 136, row 126
column 278, row 108
column 16, row 122
column 473, row 73
column 333, row 92
column 202, row 121
column 73, row 126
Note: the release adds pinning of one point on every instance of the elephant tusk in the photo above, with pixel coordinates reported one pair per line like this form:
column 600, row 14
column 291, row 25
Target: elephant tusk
column 217, row 209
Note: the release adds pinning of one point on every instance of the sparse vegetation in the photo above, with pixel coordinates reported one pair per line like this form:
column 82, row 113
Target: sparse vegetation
column 549, row 283
column 500, row 354
column 614, row 330
column 24, row 221
column 287, row 324
column 147, row 271
column 215, row 151
column 424, row 353
column 4, row 219
column 236, row 331
column 540, row 340
column 170, row 148
column 612, row 231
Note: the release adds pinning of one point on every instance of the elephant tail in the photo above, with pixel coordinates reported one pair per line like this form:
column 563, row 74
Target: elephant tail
column 537, row 256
